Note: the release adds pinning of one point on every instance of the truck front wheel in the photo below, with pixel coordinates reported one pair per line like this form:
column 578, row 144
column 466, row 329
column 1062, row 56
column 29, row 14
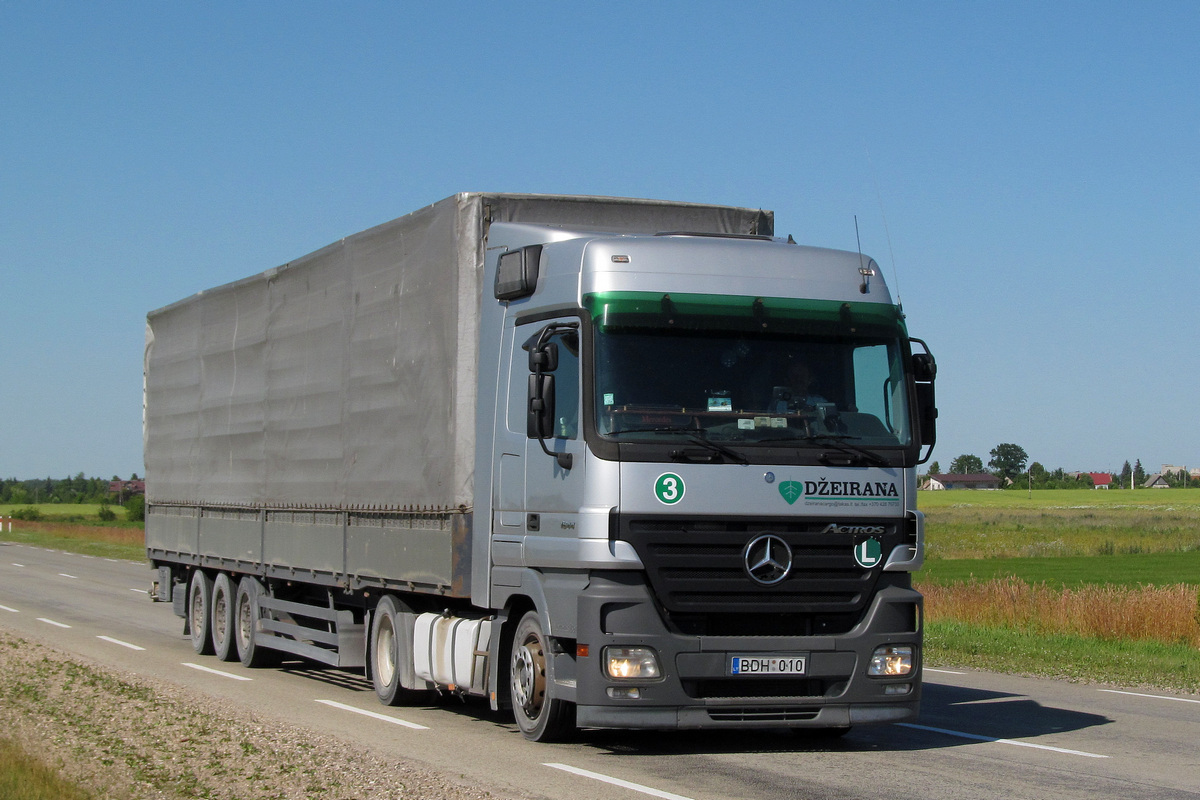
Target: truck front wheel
column 199, row 601
column 391, row 655
column 541, row 715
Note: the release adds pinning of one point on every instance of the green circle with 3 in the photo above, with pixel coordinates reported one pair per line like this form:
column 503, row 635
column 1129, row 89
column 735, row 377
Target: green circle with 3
column 669, row 488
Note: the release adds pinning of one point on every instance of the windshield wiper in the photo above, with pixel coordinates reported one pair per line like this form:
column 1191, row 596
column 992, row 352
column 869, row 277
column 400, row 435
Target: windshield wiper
column 838, row 442
column 693, row 435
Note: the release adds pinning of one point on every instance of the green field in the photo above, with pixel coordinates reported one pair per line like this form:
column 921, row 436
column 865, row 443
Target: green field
column 70, row 513
column 1008, row 524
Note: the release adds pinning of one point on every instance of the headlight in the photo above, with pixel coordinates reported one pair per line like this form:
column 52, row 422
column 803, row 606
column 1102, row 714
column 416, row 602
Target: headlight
column 891, row 661
column 631, row 663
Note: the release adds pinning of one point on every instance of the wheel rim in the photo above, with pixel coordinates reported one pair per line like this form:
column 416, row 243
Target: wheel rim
column 244, row 623
column 529, row 677
column 220, row 606
column 385, row 652
column 197, row 607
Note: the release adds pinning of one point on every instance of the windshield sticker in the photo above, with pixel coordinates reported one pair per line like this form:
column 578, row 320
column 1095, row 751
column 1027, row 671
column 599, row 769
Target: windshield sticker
column 669, row 488
column 720, row 404
column 608, row 398
column 747, row 424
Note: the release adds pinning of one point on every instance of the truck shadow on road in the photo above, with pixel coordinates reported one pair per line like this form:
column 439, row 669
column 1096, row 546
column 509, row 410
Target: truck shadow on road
column 974, row 714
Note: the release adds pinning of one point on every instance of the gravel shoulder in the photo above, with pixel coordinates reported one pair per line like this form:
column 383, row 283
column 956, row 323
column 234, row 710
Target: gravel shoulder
column 118, row 734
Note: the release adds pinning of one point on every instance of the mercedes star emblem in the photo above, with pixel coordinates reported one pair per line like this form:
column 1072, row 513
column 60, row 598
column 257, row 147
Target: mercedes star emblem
column 768, row 559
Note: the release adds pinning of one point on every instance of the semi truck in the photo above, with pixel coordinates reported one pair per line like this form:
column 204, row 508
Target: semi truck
column 605, row 462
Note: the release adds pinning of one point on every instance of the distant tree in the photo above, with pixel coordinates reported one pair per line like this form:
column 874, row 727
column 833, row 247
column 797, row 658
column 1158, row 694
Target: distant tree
column 135, row 508
column 1126, row 475
column 1008, row 460
column 966, row 465
column 1139, row 474
column 935, row 468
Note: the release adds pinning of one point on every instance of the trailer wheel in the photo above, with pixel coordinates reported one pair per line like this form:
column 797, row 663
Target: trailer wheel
column 245, row 615
column 541, row 715
column 200, row 592
column 223, row 601
column 390, row 653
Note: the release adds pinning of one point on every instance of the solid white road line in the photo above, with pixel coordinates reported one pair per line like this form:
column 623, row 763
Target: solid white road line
column 976, row 737
column 637, row 787
column 203, row 668
column 52, row 622
column 1152, row 696
column 6, row 608
column 374, row 715
column 943, row 671
column 118, row 641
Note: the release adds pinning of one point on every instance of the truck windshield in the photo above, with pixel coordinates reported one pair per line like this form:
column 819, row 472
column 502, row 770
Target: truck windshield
column 749, row 371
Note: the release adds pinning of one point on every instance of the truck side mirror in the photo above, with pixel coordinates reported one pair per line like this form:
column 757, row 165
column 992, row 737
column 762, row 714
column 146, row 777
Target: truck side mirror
column 517, row 273
column 927, row 413
column 544, row 358
column 541, row 407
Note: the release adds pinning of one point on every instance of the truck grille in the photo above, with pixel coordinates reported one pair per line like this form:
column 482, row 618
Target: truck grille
column 696, row 567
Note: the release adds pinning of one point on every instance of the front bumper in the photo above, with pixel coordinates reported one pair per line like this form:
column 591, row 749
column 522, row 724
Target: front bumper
column 697, row 689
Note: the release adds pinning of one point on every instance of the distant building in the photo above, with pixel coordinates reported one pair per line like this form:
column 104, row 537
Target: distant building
column 1101, row 480
column 935, row 483
column 1156, row 482
column 123, row 490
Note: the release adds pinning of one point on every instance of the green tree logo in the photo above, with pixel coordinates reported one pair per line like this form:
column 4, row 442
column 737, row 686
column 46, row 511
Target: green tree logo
column 791, row 491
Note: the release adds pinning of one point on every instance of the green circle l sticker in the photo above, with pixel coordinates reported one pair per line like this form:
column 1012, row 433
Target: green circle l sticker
column 869, row 553
column 669, row 488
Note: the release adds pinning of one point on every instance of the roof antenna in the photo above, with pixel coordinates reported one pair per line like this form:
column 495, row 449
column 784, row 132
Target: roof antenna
column 866, row 273
column 886, row 231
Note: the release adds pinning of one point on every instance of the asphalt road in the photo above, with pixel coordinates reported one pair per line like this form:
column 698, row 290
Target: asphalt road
column 980, row 735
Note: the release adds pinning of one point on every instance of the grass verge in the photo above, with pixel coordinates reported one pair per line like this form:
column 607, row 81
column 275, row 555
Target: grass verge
column 120, row 542
column 1150, row 665
column 23, row 777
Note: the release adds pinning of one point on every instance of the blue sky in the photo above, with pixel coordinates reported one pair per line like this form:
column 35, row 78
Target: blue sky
column 1027, row 174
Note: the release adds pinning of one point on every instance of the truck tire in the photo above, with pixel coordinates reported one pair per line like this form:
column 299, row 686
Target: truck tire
column 390, row 653
column 223, row 600
column 199, row 601
column 245, row 618
column 540, row 714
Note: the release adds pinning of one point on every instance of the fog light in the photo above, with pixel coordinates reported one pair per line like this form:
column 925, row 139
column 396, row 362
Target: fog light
column 897, row 688
column 631, row 663
column 624, row 693
column 891, row 660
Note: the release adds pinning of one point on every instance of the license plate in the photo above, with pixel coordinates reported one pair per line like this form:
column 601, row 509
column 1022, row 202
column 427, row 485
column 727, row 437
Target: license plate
column 767, row 665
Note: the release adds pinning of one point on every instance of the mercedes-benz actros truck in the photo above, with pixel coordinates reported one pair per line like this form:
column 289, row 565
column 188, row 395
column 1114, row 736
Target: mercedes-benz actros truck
column 605, row 462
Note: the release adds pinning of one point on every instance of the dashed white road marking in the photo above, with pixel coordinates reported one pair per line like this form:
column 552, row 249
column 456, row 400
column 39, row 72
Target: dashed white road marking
column 212, row 671
column 6, row 608
column 1152, row 696
column 976, row 737
column 15, row 564
column 118, row 641
column 140, row 591
column 374, row 715
column 52, row 622
column 944, row 671
column 72, row 577
column 637, row 787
